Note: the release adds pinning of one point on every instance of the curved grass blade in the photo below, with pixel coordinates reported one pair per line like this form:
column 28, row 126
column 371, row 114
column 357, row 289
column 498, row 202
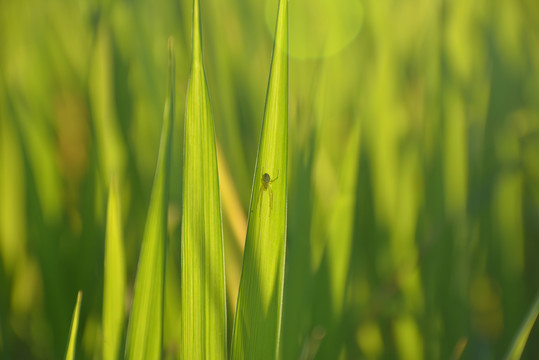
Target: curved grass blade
column 203, row 304
column 522, row 337
column 114, row 282
column 70, row 353
column 144, row 333
column 257, row 324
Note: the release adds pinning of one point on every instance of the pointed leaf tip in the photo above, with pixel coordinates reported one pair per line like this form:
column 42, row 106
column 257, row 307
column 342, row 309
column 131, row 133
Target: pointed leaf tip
column 257, row 325
column 203, row 306
column 144, row 334
column 70, row 352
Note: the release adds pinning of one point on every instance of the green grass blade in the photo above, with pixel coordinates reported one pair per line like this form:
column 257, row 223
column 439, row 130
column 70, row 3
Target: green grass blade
column 203, row 304
column 110, row 146
column 522, row 336
column 70, row 353
column 114, row 282
column 258, row 316
column 144, row 334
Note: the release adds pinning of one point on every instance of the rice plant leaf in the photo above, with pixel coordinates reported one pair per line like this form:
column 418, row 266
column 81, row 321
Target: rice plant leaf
column 144, row 333
column 203, row 302
column 257, row 324
column 110, row 146
column 114, row 282
column 522, row 336
column 341, row 222
column 70, row 353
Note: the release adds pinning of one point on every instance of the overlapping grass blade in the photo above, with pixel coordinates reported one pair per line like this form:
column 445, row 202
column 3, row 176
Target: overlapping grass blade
column 258, row 316
column 70, row 353
column 144, row 333
column 203, row 306
column 522, row 337
column 114, row 282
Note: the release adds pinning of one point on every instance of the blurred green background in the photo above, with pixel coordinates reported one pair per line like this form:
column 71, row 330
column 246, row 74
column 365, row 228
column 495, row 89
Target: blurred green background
column 413, row 211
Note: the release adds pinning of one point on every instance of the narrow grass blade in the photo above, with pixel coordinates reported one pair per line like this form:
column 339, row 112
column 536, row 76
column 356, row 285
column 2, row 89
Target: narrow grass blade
column 144, row 333
column 110, row 146
column 522, row 336
column 257, row 324
column 341, row 223
column 203, row 304
column 70, row 353
column 114, row 282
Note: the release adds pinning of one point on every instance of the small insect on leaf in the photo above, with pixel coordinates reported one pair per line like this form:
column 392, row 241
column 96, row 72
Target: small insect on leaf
column 266, row 186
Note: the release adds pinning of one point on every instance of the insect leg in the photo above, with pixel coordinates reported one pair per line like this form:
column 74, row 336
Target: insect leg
column 259, row 202
column 271, row 197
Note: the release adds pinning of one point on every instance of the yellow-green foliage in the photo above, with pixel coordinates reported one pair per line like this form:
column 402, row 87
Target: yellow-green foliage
column 144, row 334
column 203, row 307
column 72, row 344
column 406, row 187
column 257, row 325
column 114, row 282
